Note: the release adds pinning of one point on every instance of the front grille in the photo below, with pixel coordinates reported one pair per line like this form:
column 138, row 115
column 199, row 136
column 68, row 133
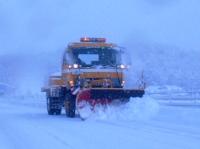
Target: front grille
column 101, row 82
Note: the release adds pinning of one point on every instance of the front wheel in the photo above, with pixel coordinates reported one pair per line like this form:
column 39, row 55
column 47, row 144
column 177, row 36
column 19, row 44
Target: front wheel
column 70, row 107
column 49, row 106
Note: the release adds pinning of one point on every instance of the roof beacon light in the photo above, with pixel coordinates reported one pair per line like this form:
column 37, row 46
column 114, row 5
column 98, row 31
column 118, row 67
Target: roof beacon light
column 88, row 39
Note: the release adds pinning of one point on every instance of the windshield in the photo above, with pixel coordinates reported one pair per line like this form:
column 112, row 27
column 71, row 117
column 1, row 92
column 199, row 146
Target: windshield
column 87, row 57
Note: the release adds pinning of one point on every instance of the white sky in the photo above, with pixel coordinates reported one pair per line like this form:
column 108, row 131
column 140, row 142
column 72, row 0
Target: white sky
column 37, row 25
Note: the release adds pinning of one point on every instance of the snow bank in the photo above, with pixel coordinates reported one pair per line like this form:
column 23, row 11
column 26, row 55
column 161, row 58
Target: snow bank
column 5, row 89
column 164, row 89
column 174, row 95
column 137, row 109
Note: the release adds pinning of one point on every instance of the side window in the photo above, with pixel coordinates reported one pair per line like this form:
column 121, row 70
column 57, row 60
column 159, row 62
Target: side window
column 67, row 58
column 64, row 59
column 125, row 57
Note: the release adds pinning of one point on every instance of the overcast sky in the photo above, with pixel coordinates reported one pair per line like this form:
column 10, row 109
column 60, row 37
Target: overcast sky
column 42, row 25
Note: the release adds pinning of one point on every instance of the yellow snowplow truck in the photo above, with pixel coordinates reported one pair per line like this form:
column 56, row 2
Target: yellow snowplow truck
column 92, row 74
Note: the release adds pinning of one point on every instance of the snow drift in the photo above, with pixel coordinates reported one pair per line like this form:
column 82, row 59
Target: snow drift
column 137, row 109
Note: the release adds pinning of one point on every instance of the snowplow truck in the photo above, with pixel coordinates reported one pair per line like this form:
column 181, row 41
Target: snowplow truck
column 92, row 73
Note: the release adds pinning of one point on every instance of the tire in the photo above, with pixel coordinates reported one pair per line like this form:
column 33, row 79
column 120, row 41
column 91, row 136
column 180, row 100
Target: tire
column 50, row 111
column 70, row 107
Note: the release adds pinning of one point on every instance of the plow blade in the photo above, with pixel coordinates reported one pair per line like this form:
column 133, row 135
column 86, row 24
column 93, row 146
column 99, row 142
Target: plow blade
column 106, row 96
column 113, row 94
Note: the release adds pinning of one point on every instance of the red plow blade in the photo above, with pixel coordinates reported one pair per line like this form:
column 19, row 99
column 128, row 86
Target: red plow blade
column 99, row 96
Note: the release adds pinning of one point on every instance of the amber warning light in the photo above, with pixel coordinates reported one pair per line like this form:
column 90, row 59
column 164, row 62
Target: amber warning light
column 87, row 39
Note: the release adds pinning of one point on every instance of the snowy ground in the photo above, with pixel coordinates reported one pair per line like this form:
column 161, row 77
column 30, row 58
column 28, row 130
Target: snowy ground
column 25, row 124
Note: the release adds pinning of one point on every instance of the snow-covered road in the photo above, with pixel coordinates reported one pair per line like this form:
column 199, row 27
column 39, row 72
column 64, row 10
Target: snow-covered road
column 26, row 125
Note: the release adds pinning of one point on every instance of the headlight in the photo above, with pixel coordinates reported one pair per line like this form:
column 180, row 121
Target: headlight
column 75, row 66
column 122, row 66
column 69, row 66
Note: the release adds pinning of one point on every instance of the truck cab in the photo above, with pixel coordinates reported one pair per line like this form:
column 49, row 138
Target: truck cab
column 93, row 63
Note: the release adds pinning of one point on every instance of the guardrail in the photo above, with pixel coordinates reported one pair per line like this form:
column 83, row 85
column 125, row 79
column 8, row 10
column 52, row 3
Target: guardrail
column 177, row 98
